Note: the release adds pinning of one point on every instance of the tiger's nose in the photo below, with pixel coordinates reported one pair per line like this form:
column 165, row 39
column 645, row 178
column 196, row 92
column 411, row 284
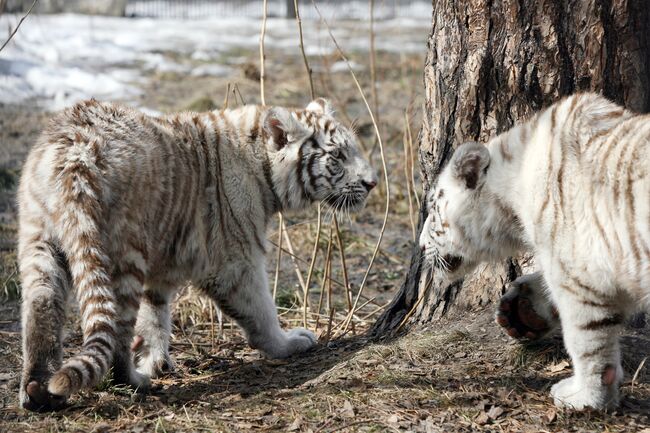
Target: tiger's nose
column 369, row 184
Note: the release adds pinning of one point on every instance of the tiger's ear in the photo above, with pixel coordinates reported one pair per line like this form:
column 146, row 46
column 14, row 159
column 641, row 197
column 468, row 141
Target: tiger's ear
column 470, row 164
column 320, row 106
column 282, row 127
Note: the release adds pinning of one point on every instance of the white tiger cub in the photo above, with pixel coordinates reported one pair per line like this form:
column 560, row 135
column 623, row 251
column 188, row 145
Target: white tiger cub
column 571, row 185
column 125, row 208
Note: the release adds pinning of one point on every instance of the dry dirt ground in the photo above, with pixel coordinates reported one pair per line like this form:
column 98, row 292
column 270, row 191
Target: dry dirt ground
column 460, row 375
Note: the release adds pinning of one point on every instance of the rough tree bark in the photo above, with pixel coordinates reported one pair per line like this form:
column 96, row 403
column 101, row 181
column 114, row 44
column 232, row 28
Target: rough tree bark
column 491, row 63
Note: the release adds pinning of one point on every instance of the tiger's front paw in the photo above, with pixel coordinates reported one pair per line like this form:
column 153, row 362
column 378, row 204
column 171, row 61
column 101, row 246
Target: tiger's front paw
column 292, row 342
column 571, row 393
column 300, row 340
column 522, row 314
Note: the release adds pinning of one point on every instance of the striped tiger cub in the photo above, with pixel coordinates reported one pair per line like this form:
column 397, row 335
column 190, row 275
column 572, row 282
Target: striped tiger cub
column 572, row 186
column 125, row 208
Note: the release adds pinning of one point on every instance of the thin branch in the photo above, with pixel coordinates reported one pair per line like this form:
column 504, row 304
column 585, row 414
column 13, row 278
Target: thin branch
column 262, row 69
column 314, row 254
column 227, row 98
column 326, row 276
column 236, row 91
column 18, row 26
column 278, row 257
column 293, row 256
column 373, row 62
column 638, row 370
column 301, row 260
column 383, row 161
column 346, row 279
column 302, row 49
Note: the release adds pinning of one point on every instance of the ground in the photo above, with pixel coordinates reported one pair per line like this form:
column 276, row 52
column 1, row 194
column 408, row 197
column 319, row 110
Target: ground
column 462, row 374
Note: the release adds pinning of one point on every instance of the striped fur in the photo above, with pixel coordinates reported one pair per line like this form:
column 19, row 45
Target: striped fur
column 126, row 208
column 572, row 185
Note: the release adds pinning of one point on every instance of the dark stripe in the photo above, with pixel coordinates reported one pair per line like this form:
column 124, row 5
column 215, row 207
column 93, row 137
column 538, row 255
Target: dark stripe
column 597, row 351
column 100, row 327
column 614, row 320
column 313, row 177
column 89, row 369
column 154, row 298
column 218, row 174
column 99, row 344
column 594, row 303
column 132, row 269
column 299, row 169
column 99, row 360
column 234, row 221
column 631, row 209
column 75, row 375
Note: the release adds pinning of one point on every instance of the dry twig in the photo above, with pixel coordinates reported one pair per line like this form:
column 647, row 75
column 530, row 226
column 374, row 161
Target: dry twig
column 302, row 50
column 18, row 25
column 314, row 254
column 262, row 68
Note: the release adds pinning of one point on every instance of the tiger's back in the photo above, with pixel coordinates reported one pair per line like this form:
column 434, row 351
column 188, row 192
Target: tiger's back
column 587, row 169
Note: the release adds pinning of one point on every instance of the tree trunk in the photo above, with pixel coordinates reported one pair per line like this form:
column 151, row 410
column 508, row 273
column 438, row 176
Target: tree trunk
column 491, row 63
column 291, row 9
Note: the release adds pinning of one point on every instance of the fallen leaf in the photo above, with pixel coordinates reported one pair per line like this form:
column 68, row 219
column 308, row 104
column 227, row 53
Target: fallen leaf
column 482, row 418
column 551, row 415
column 295, row 425
column 495, row 412
column 348, row 410
column 558, row 367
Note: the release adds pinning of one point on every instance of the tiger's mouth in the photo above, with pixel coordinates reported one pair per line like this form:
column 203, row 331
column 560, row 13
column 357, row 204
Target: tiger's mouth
column 453, row 262
column 347, row 202
column 448, row 263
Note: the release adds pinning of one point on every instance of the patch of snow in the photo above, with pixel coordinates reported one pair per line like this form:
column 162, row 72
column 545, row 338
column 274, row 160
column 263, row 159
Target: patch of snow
column 210, row 70
column 57, row 60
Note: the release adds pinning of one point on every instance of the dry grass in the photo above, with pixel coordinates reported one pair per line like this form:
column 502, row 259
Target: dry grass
column 462, row 376
column 451, row 380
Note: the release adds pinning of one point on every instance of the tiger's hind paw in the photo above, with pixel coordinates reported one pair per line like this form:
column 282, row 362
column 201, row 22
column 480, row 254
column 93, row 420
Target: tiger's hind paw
column 151, row 361
column 34, row 396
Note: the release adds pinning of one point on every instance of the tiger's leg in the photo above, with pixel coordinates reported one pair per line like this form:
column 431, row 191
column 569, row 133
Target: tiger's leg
column 244, row 295
column 128, row 292
column 525, row 310
column 153, row 329
column 45, row 285
column 591, row 324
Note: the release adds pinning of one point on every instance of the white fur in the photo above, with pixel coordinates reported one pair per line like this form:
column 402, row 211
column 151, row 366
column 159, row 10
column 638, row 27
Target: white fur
column 548, row 187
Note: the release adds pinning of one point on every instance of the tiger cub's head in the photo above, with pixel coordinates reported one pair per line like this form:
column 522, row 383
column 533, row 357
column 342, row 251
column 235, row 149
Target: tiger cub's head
column 466, row 224
column 316, row 158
